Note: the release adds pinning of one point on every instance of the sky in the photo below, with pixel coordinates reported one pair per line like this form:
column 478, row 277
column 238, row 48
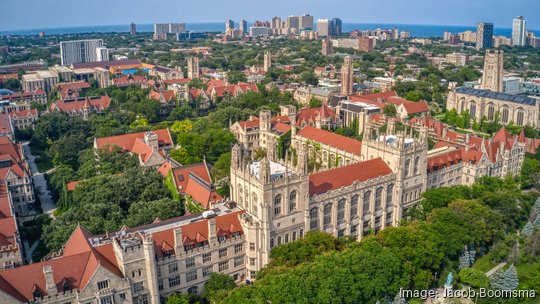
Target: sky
column 37, row 14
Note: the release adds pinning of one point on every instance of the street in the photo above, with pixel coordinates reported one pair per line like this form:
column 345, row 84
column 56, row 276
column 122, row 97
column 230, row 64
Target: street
column 40, row 184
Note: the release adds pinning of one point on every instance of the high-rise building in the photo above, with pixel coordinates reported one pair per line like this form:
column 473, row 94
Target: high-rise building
column 133, row 29
column 492, row 78
column 175, row 28
column 193, row 67
column 276, row 23
column 347, row 76
column 102, row 54
column 327, row 48
column 255, row 31
column 243, row 26
column 484, row 35
column 518, row 31
column 293, row 22
column 79, row 51
column 160, row 31
column 336, row 27
column 229, row 24
column 267, row 61
column 467, row 36
column 305, row 22
column 324, row 27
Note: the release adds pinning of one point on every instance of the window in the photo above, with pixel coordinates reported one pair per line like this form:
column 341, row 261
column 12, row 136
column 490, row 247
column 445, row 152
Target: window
column 504, row 116
column 174, row 281
column 252, row 261
column 389, row 219
column 354, row 207
column 206, row 257
column 271, row 243
column 143, row 299
column 416, row 165
column 190, row 262
column 279, row 240
column 123, row 294
column 341, row 232
column 301, row 233
column 389, row 195
column 193, row 290
column 251, row 246
column 160, row 285
column 366, row 202
column 292, row 200
column 207, row 271
column 191, row 275
column 327, row 219
column 294, row 236
column 223, row 252
column 238, row 248
column 277, row 205
column 238, row 261
column 354, row 228
column 137, row 286
column 341, row 211
column 173, row 267
column 378, row 198
column 222, row 266
column 313, row 218
column 491, row 111
column 406, row 169
column 472, row 110
column 106, row 300
column 520, row 117
column 103, row 284
column 378, row 221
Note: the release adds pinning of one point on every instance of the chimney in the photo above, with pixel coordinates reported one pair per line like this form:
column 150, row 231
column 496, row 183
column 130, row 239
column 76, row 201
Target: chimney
column 212, row 230
column 151, row 139
column 49, row 281
column 178, row 240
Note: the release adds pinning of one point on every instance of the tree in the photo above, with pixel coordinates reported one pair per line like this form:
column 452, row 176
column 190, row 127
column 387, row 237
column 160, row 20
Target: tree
column 505, row 280
column 66, row 149
column 182, row 126
column 183, row 298
column 182, row 156
column 390, row 110
column 218, row 286
column 141, row 213
column 528, row 229
column 413, row 96
column 309, row 77
column 314, row 102
column 466, row 259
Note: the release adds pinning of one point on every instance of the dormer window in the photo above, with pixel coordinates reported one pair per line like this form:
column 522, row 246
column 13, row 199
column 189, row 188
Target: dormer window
column 222, row 238
column 66, row 285
column 36, row 293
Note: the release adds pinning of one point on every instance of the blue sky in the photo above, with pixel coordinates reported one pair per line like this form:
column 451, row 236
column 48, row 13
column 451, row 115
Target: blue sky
column 30, row 14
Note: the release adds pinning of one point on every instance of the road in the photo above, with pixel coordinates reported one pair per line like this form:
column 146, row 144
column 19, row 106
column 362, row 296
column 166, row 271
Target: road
column 40, row 184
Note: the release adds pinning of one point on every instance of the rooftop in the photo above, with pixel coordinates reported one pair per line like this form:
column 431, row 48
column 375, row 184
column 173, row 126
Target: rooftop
column 499, row 96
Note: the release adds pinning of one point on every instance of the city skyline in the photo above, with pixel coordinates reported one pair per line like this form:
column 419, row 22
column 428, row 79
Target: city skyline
column 500, row 12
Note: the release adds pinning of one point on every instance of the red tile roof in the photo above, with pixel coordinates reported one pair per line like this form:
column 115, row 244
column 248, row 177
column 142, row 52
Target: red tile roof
column 443, row 160
column 332, row 139
column 325, row 181
column 128, row 80
column 167, row 95
column 24, row 113
column 177, row 80
column 97, row 104
column 309, row 115
column 5, row 124
column 195, row 181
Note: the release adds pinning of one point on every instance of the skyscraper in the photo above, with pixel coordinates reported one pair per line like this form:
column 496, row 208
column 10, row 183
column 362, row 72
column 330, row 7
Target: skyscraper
column 518, row 31
column 267, row 61
column 175, row 28
column 243, row 26
column 133, row 29
column 336, row 27
column 324, row 27
column 193, row 67
column 484, row 35
column 492, row 78
column 81, row 51
column 229, row 24
column 347, row 76
column 293, row 22
column 160, row 31
column 327, row 48
column 305, row 22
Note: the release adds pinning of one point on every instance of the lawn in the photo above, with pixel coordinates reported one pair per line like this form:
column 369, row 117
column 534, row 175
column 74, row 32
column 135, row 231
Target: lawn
column 484, row 264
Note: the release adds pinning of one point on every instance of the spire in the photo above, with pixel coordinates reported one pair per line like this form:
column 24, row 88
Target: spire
column 87, row 104
column 521, row 137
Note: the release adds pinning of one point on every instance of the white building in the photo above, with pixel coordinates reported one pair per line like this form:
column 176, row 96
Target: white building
column 79, row 51
column 518, row 31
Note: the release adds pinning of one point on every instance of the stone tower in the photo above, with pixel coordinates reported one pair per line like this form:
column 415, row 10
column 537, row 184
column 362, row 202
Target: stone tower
column 327, row 48
column 492, row 79
column 347, row 76
column 267, row 61
column 405, row 154
column 193, row 67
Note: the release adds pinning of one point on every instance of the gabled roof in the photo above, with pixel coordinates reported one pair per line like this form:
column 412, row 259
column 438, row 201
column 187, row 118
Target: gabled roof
column 195, row 181
column 76, row 105
column 325, row 181
column 310, row 115
column 127, row 141
column 24, row 113
column 332, row 139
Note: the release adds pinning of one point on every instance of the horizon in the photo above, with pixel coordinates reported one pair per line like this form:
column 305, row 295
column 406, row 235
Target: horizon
column 414, row 12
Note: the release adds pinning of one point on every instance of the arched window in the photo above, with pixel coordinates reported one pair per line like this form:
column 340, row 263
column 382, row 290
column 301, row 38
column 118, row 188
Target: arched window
column 416, row 165
column 313, row 218
column 378, row 199
column 327, row 216
column 254, row 201
column 462, row 105
column 406, row 169
column 366, row 202
column 520, row 117
column 341, row 210
column 292, row 200
column 491, row 111
column 472, row 110
column 504, row 115
column 240, row 194
column 354, row 207
column 277, row 205
column 389, row 195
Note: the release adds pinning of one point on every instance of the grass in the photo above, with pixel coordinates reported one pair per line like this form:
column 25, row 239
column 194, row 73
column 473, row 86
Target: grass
column 529, row 277
column 484, row 264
